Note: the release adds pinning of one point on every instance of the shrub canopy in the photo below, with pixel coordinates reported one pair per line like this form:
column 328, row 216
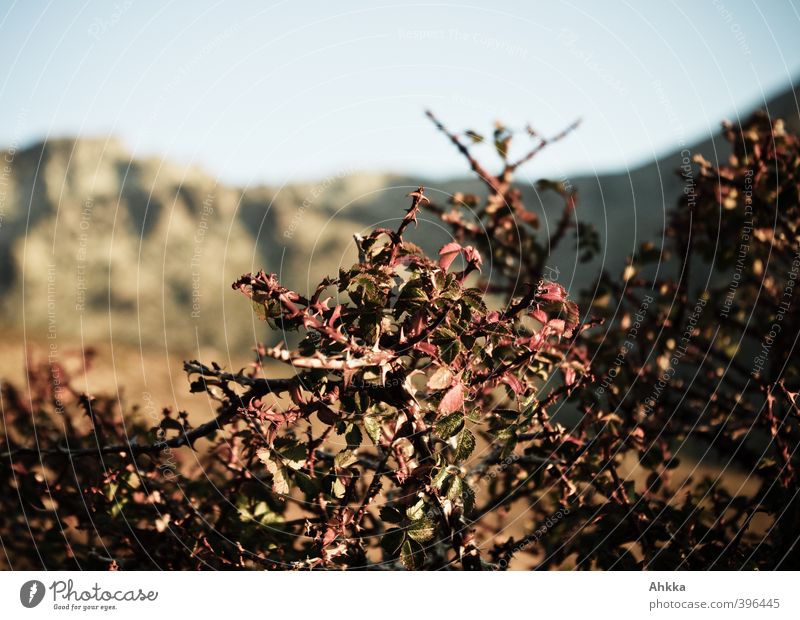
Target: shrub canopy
column 459, row 410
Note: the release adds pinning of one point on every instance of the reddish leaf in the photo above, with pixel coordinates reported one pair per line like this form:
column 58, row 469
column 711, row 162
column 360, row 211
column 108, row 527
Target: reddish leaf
column 448, row 254
column 473, row 256
column 427, row 348
column 550, row 291
column 327, row 415
column 514, row 383
column 453, row 400
column 417, row 324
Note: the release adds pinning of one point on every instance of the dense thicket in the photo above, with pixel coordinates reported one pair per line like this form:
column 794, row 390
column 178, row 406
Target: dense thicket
column 459, row 411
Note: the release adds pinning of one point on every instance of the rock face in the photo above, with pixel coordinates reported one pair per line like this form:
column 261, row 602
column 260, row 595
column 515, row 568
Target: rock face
column 98, row 247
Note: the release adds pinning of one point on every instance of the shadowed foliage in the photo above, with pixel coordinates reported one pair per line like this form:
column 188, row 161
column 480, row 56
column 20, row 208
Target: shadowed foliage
column 459, row 410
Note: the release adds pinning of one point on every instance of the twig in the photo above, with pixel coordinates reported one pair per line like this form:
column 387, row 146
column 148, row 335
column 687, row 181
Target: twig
column 131, row 447
column 542, row 144
column 489, row 179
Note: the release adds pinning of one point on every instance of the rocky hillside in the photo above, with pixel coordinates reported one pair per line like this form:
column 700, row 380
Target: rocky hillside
column 97, row 247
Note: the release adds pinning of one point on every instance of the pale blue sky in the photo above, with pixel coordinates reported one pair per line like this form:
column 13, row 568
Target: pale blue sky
column 276, row 92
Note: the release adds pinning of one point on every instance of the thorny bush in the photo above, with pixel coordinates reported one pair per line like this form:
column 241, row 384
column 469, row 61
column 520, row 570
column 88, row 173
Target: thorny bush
column 435, row 417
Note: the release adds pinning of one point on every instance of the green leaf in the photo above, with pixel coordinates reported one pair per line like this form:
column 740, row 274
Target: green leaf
column 413, row 294
column 417, row 511
column 465, row 446
column 449, row 425
column 391, row 515
column 422, row 530
column 440, row 477
column 280, row 479
column 444, row 335
column 361, row 401
column 259, row 310
column 294, row 456
column 411, row 555
column 345, row 459
column 266, row 309
column 260, row 513
column 338, row 489
column 454, row 490
column 509, row 432
column 449, row 352
column 467, row 498
column 474, row 299
column 474, row 415
column 392, row 540
column 111, row 491
column 508, row 448
column 308, row 485
column 353, row 436
column 373, row 427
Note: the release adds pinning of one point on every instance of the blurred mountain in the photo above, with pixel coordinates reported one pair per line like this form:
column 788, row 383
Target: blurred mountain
column 100, row 247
